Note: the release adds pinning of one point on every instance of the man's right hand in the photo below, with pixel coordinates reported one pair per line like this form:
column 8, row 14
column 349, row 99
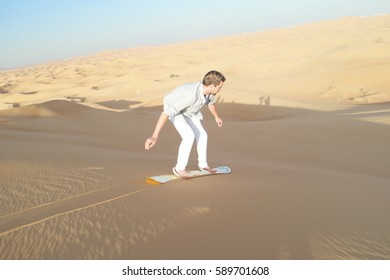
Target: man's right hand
column 150, row 142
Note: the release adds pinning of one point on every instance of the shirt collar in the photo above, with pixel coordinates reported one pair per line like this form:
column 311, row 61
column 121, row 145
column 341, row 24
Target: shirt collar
column 201, row 88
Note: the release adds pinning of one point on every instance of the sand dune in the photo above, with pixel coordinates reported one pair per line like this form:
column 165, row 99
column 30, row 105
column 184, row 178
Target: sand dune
column 306, row 133
column 344, row 60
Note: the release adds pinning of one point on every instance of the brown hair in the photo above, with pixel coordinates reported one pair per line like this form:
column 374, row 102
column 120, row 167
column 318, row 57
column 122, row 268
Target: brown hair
column 213, row 78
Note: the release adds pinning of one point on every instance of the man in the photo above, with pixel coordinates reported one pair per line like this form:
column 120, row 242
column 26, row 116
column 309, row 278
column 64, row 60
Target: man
column 182, row 107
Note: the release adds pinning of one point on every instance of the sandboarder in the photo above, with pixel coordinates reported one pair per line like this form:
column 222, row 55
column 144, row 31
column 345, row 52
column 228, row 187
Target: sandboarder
column 182, row 107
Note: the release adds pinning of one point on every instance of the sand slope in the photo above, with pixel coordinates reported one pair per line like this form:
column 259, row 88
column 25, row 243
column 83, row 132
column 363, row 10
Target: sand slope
column 306, row 134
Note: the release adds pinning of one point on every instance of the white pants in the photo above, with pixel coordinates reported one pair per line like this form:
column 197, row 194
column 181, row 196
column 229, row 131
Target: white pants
column 190, row 129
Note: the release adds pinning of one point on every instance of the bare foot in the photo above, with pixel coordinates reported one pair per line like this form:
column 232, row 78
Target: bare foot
column 208, row 169
column 181, row 174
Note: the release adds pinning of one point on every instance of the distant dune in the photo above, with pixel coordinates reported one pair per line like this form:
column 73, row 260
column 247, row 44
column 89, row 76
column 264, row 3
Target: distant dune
column 344, row 60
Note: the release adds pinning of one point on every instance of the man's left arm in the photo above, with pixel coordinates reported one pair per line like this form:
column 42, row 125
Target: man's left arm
column 213, row 111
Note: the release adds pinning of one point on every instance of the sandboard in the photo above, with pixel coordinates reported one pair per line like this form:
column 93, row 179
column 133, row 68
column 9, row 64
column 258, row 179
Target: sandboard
column 162, row 179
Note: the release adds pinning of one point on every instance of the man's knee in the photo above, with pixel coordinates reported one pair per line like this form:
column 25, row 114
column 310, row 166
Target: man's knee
column 188, row 137
column 203, row 135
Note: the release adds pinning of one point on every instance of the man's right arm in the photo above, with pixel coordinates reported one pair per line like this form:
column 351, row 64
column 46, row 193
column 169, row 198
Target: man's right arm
column 151, row 141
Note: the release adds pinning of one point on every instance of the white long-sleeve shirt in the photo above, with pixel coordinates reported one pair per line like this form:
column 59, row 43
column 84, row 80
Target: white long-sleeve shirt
column 188, row 100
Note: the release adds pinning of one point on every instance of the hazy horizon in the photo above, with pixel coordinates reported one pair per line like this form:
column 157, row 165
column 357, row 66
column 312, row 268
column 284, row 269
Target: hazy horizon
column 43, row 31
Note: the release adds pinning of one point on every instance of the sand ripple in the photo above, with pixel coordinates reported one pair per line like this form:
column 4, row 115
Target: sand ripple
column 85, row 234
column 358, row 245
column 26, row 184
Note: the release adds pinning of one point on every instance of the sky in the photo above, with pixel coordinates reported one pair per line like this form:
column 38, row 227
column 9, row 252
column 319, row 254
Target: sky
column 42, row 31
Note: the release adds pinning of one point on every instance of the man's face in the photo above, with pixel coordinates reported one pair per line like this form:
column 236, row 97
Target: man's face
column 216, row 89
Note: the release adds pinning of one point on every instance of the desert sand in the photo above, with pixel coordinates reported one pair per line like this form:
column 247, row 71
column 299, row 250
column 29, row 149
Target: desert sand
column 306, row 133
